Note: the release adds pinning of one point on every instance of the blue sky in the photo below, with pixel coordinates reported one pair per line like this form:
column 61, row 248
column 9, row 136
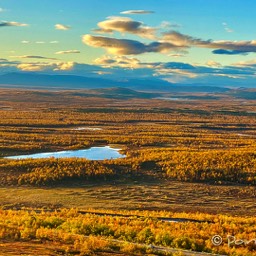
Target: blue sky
column 200, row 41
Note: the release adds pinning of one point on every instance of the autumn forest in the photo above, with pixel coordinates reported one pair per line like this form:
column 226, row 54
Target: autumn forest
column 191, row 159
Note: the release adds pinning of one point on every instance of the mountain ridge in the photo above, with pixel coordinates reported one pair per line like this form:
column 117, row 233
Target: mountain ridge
column 28, row 79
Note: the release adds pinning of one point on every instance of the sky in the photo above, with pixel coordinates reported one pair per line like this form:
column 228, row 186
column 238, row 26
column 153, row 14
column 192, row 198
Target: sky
column 188, row 41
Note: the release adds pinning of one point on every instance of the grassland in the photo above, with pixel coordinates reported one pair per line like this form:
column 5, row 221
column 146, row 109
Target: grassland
column 192, row 156
column 170, row 196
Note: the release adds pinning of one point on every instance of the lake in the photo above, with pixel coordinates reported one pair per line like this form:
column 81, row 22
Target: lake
column 171, row 98
column 93, row 153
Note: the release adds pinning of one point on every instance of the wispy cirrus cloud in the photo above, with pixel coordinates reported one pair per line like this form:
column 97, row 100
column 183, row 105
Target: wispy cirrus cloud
column 8, row 62
column 227, row 28
column 39, row 42
column 137, row 12
column 33, row 57
column 12, row 24
column 176, row 55
column 67, row 52
column 126, row 46
column 125, row 25
column 169, row 25
column 62, row 27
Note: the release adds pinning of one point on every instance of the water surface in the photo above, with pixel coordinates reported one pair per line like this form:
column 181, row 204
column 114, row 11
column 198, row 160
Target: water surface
column 87, row 128
column 93, row 153
column 171, row 98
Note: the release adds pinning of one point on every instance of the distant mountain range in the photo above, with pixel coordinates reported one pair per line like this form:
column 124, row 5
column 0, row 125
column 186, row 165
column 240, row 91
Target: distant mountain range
column 124, row 89
column 45, row 81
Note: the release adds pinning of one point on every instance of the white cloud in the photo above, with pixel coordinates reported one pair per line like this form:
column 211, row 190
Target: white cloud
column 125, row 25
column 126, row 46
column 38, row 42
column 227, row 28
column 229, row 76
column 12, row 24
column 168, row 25
column 136, row 12
column 32, row 57
column 62, row 27
column 220, row 47
column 176, row 55
column 118, row 61
column 102, row 72
column 212, row 63
column 64, row 66
column 32, row 66
column 41, row 66
column 247, row 63
column 68, row 52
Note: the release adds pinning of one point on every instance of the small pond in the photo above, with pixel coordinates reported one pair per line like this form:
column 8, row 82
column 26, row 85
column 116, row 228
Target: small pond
column 93, row 153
